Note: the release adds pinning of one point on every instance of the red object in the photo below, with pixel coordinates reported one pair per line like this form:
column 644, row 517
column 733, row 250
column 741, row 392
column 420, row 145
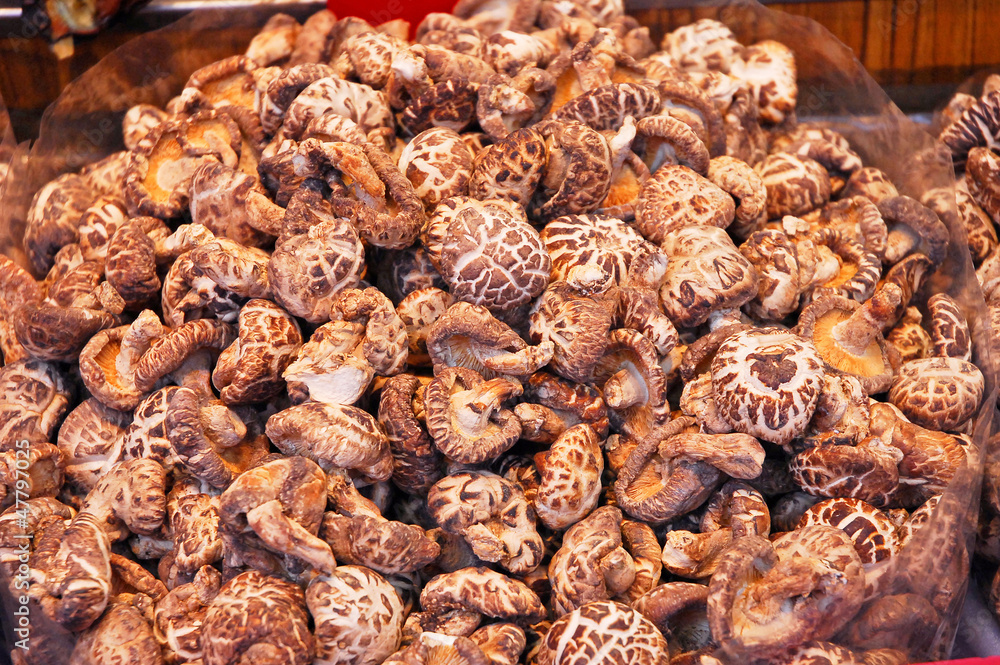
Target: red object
column 380, row 11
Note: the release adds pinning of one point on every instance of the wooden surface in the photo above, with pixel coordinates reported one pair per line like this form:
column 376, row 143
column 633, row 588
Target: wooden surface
column 920, row 50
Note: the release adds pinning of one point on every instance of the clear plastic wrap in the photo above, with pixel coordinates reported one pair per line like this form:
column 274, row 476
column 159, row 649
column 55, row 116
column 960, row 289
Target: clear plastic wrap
column 84, row 125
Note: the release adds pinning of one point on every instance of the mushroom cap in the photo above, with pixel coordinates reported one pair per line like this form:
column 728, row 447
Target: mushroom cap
column 509, row 169
column 54, row 217
column 438, row 163
column 484, row 591
column 464, row 415
column 146, row 435
column 938, row 393
column 358, row 616
column 34, row 396
column 131, row 264
column 250, row 369
column 469, row 336
column 905, row 621
column 977, row 126
column 815, row 569
column 19, row 289
column 867, row 471
column 827, row 323
column 949, row 332
column 385, row 546
column 795, row 185
column 704, row 45
column 307, row 272
column 768, row 67
column 591, row 564
column 705, row 273
column 874, row 536
column 767, row 382
column 602, row 633
column 577, row 173
column 260, row 617
column 775, row 258
column 569, row 477
column 49, row 332
column 179, row 616
column 90, row 439
column 574, row 240
column 327, row 368
column 487, row 252
column 416, row 461
column 870, row 183
column 606, row 107
column 676, row 197
column 633, row 383
column 493, row 516
column 679, row 610
column 577, row 326
column 123, row 633
column 334, row 436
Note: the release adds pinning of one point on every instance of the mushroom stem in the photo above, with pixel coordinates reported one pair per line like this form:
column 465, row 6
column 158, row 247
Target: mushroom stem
column 901, row 241
column 136, row 341
column 286, row 536
column 625, row 389
column 539, row 423
column 618, row 570
column 222, row 425
column 481, row 402
column 857, row 332
column 263, row 214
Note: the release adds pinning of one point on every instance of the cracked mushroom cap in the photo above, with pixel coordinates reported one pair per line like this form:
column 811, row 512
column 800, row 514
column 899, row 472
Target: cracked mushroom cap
column 358, row 616
column 138, row 121
column 603, row 633
column 575, row 240
column 569, row 477
column 120, row 365
column 438, row 163
column 179, row 616
column 465, row 416
column 704, row 45
column 123, row 634
column 250, row 369
column 34, row 396
column 130, row 497
column 913, row 227
column 978, row 126
column 492, row 515
column 665, row 140
column 775, row 257
column 257, row 618
column 870, row 183
column 19, row 289
column 50, row 332
column 418, row 311
column 909, row 337
column 606, row 107
column 282, row 503
column 938, row 393
column 509, row 169
column 858, row 270
column 768, row 68
column 576, row 325
column 795, row 185
column 739, row 180
column 868, row 471
column 487, row 252
column 814, row 570
column 706, row 272
column 591, row 564
column 874, row 536
column 416, row 461
column 469, row 336
column 485, row 592
column 905, row 622
column 328, row 368
column 194, row 524
column 949, row 329
column 232, row 204
column 767, row 383
column 131, row 261
column 677, row 197
column 334, row 436
column 578, row 170
column 54, row 218
column 551, row 400
column 307, row 272
column 91, row 441
column 367, row 107
column 146, row 436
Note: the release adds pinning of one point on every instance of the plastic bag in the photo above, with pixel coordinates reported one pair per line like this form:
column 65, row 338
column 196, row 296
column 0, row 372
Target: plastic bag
column 84, row 125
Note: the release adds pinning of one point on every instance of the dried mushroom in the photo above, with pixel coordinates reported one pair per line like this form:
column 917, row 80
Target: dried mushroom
column 569, row 477
column 677, row 197
column 603, row 632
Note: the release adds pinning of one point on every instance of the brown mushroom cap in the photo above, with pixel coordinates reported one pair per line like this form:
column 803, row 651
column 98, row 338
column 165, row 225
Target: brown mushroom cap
column 54, row 217
column 358, row 616
column 938, row 393
column 795, row 185
column 705, row 273
column 492, row 515
column 469, row 336
column 570, row 477
column 250, row 369
column 577, row 173
column 487, row 252
column 677, row 197
column 439, row 165
column 509, row 169
column 867, row 471
column 257, row 616
column 34, row 396
column 576, row 325
column 949, row 330
column 591, row 564
column 484, row 591
column 334, row 436
column 632, row 382
column 814, row 569
column 574, row 240
column 679, row 610
column 416, row 461
column 602, row 633
column 905, row 622
column 123, row 633
column 767, row 382
column 91, row 440
column 913, row 227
